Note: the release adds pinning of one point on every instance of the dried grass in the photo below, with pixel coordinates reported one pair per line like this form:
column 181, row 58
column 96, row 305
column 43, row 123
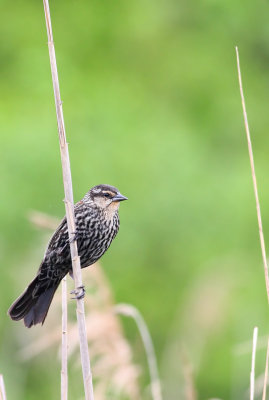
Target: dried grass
column 130, row 311
column 259, row 217
column 70, row 219
column 112, row 358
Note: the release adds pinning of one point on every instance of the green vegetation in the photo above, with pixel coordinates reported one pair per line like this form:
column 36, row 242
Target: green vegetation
column 152, row 106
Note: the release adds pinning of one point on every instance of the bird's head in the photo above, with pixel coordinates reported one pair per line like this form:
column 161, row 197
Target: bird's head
column 105, row 197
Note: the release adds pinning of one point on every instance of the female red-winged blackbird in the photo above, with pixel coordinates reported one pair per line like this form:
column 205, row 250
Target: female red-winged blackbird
column 97, row 224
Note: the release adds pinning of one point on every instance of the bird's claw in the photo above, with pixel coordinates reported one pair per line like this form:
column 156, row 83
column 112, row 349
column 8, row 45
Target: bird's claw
column 79, row 293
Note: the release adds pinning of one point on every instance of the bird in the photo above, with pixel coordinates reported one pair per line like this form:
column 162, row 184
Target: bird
column 97, row 224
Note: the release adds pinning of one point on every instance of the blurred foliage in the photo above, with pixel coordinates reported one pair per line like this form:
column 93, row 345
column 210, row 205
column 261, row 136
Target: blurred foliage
column 152, row 106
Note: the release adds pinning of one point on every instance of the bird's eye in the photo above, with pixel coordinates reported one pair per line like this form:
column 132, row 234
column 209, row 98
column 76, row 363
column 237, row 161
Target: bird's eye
column 106, row 195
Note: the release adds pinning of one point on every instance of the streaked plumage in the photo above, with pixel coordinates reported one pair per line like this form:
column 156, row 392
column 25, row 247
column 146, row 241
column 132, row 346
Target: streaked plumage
column 97, row 224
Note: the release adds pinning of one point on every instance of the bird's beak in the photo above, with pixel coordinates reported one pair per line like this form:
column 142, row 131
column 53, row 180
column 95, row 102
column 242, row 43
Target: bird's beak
column 119, row 197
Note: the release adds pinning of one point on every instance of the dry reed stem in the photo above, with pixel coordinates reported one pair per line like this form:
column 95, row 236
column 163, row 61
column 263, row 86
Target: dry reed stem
column 2, row 389
column 130, row 311
column 69, row 207
column 252, row 373
column 265, row 373
column 251, row 158
column 112, row 355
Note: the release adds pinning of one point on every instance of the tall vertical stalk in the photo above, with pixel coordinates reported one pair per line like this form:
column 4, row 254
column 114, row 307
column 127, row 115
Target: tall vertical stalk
column 251, row 159
column 69, row 208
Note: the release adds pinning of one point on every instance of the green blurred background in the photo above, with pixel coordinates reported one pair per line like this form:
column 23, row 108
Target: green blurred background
column 152, row 106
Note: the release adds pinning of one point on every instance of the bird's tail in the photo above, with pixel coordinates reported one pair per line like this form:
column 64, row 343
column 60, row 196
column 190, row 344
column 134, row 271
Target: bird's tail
column 33, row 305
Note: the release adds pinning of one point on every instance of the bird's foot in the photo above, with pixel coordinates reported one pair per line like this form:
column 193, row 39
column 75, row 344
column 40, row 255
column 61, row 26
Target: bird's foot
column 79, row 293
